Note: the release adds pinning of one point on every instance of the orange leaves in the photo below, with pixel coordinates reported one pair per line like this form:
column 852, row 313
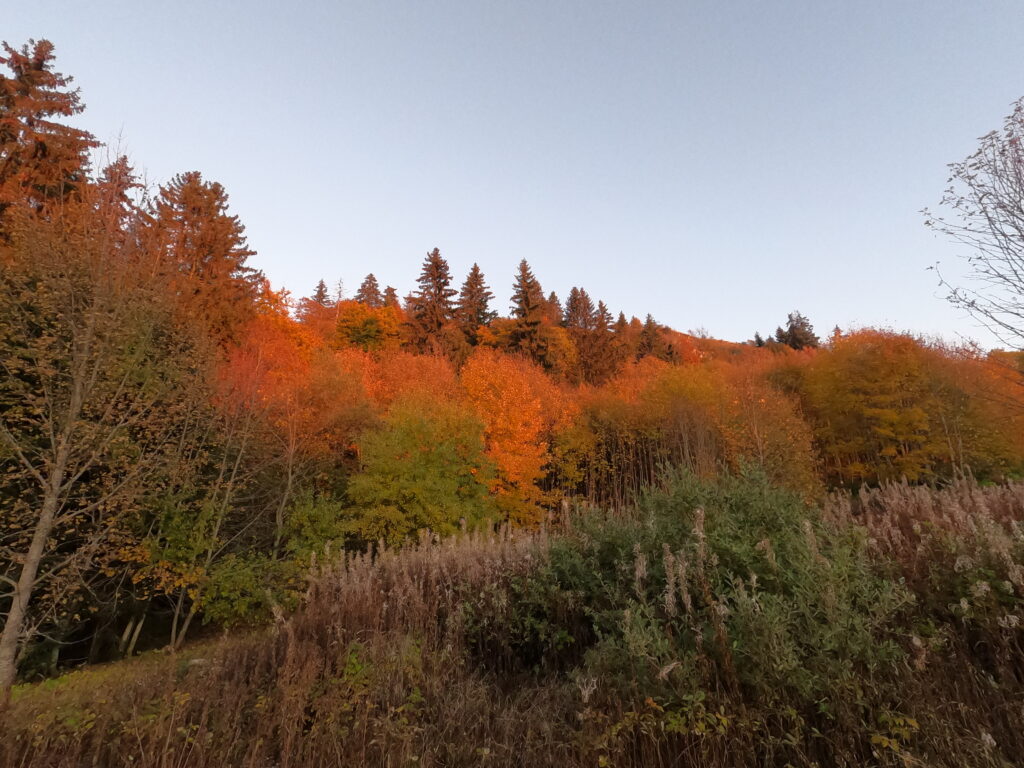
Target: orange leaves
column 302, row 391
column 401, row 374
column 869, row 405
column 521, row 409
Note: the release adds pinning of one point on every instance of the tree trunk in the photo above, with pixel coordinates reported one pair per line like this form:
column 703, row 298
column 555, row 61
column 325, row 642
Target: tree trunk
column 23, row 590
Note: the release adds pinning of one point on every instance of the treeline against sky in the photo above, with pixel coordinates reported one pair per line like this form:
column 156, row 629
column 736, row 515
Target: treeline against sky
column 178, row 440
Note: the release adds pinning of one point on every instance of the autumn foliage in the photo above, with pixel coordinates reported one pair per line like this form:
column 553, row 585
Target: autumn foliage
column 178, row 440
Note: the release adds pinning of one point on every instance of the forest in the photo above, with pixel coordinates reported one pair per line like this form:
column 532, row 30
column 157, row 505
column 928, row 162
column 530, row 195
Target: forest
column 193, row 459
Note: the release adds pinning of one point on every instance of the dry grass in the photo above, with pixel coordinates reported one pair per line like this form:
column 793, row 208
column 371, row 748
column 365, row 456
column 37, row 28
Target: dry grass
column 454, row 653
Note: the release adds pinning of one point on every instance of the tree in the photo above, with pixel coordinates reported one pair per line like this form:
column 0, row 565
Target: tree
column 603, row 356
column 985, row 196
column 521, row 409
column 319, row 312
column 529, row 309
column 590, row 329
column 580, row 313
column 191, row 225
column 430, row 308
column 553, row 310
column 651, row 341
column 40, row 160
column 473, row 307
column 425, row 469
column 321, row 296
column 369, row 293
column 115, row 188
column 94, row 373
column 371, row 328
column 391, row 298
column 798, row 333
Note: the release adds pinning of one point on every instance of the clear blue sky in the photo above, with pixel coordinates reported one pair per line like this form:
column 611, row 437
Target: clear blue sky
column 715, row 163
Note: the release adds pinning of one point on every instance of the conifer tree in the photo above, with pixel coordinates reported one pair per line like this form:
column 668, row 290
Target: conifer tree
column 430, row 308
column 473, row 307
column 553, row 309
column 369, row 293
column 604, row 317
column 605, row 358
column 652, row 344
column 207, row 247
column 528, row 314
column 590, row 329
column 116, row 182
column 321, row 296
column 391, row 298
column 40, row 160
column 798, row 333
column 579, row 311
column 319, row 312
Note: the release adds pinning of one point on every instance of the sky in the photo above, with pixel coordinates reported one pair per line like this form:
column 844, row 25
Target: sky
column 717, row 164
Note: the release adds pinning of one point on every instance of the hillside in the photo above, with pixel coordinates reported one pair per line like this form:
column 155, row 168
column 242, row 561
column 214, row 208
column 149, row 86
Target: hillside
column 242, row 527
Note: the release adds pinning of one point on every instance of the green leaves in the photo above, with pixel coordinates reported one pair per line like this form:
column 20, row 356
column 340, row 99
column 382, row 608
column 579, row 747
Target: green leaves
column 424, row 469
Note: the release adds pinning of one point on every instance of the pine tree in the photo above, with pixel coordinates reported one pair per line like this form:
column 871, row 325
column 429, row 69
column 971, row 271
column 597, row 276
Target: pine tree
column 369, row 293
column 758, row 339
column 580, row 320
column 621, row 324
column 115, row 185
column 579, row 311
column 553, row 309
column 319, row 312
column 605, row 357
column 528, row 314
column 321, row 296
column 40, row 160
column 652, row 344
column 430, row 308
column 798, row 333
column 191, row 225
column 391, row 298
column 473, row 307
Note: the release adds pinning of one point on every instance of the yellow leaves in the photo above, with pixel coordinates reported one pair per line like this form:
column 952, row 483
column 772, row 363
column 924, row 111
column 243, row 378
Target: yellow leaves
column 168, row 577
column 369, row 328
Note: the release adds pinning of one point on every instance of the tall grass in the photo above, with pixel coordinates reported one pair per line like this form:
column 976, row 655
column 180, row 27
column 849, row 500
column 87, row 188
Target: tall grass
column 717, row 624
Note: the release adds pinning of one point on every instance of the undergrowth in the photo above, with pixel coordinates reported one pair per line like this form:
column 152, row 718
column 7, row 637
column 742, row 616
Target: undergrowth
column 717, row 624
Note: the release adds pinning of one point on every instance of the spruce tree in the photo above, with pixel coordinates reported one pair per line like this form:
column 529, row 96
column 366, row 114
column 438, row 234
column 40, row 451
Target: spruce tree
column 369, row 293
column 605, row 357
column 472, row 310
column 321, row 296
column 430, row 308
column 553, row 309
column 528, row 311
column 191, row 224
column 41, row 161
column 798, row 333
column 621, row 324
column 651, row 342
column 580, row 320
column 579, row 311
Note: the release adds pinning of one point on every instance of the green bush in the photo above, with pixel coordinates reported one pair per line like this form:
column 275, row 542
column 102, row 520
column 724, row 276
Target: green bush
column 734, row 586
